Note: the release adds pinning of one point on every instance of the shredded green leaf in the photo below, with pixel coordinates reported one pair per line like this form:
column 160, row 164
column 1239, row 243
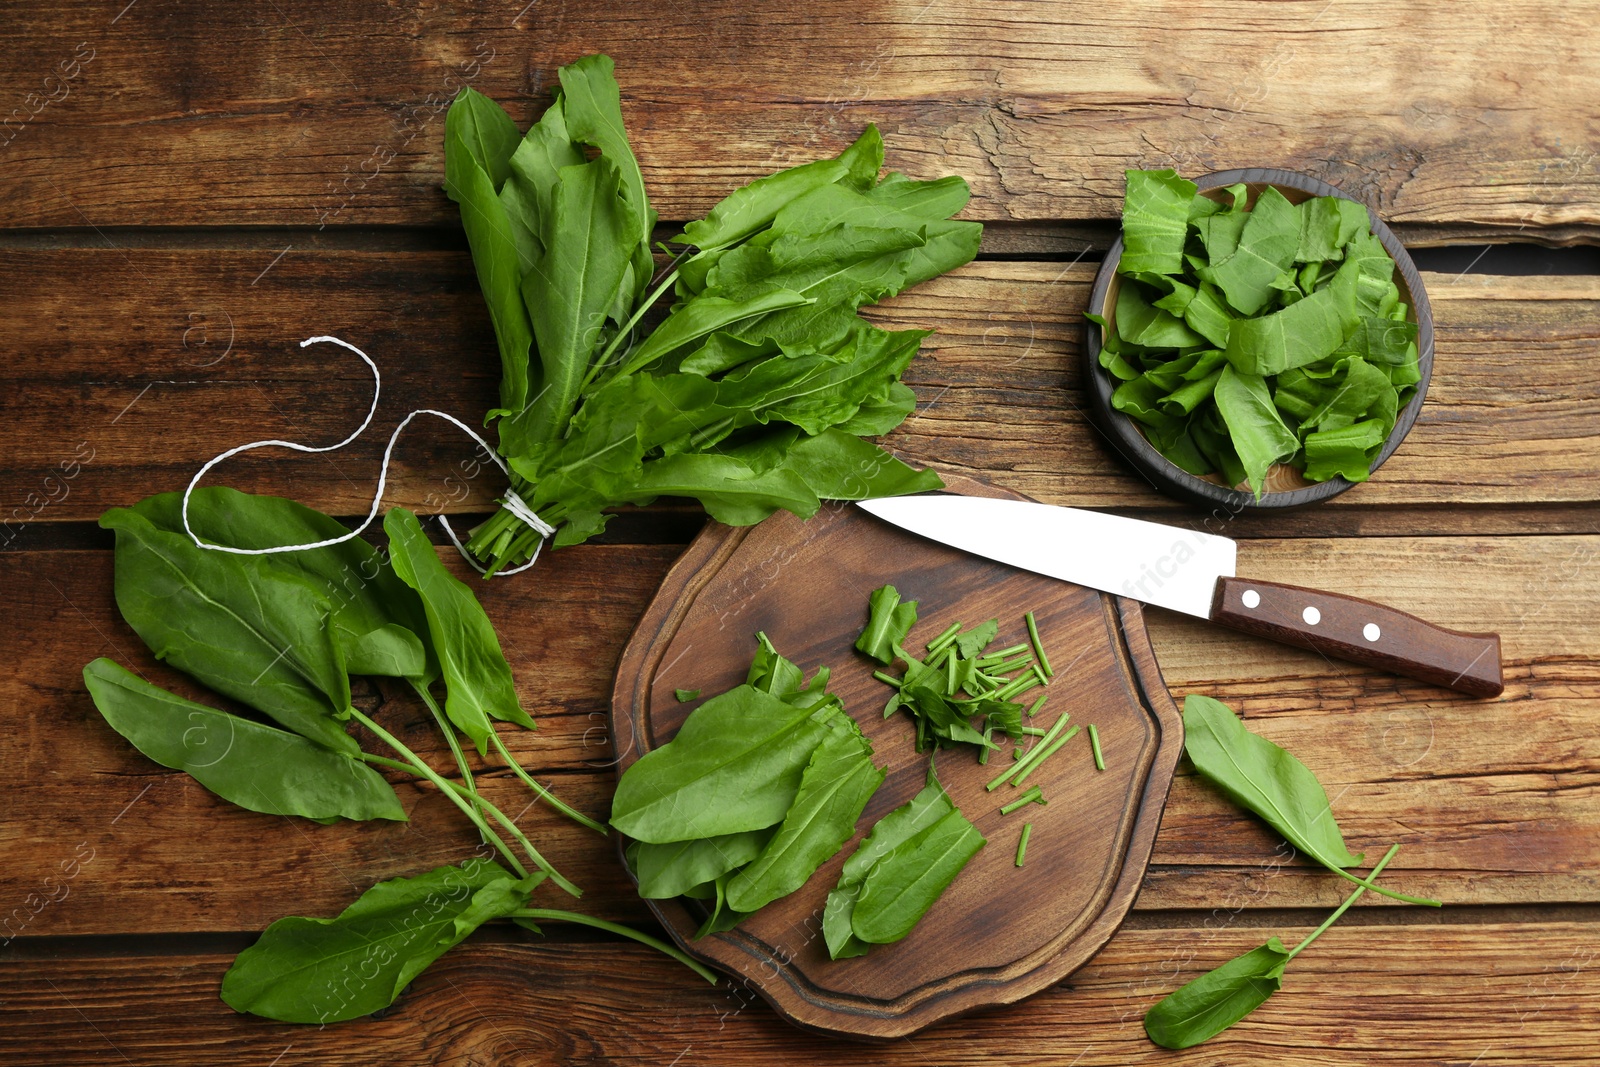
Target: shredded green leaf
column 1245, row 337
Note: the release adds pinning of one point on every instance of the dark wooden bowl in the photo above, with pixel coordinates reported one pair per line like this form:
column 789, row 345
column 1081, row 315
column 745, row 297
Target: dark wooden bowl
column 1285, row 487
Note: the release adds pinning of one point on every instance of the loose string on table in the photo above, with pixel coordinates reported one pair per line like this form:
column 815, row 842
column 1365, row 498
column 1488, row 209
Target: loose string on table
column 510, row 501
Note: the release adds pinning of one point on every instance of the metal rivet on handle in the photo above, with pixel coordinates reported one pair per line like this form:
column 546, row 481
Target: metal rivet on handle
column 1311, row 615
column 1251, row 598
column 1371, row 632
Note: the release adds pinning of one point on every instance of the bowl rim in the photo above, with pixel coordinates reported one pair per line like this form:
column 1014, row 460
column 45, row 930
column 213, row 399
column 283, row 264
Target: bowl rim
column 1123, row 434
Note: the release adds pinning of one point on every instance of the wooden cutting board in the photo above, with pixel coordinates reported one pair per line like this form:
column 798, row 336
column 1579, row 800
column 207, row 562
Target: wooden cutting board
column 999, row 933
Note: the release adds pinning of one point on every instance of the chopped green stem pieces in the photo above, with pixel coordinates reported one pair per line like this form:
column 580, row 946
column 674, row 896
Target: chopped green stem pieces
column 1044, row 755
column 1027, row 761
column 1032, row 796
column 887, row 679
column 949, row 635
column 1037, row 704
column 1034, row 731
column 1094, row 743
column 1038, row 646
column 1017, row 688
column 1022, row 842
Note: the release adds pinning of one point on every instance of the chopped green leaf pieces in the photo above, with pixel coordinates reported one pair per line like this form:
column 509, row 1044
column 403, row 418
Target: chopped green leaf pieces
column 1248, row 336
column 898, row 871
column 959, row 694
column 686, row 695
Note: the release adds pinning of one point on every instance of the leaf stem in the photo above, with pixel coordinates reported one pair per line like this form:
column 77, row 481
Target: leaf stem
column 545, row 794
column 1351, row 899
column 498, row 815
column 627, row 328
column 656, row 943
column 415, row 765
column 1366, row 883
column 455, row 744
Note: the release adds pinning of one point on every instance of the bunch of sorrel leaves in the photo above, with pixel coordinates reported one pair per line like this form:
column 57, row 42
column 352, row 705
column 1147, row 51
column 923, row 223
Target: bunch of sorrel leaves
column 282, row 635
column 1247, row 336
column 754, row 391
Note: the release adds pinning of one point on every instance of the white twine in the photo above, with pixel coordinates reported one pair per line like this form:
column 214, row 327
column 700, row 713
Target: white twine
column 511, row 501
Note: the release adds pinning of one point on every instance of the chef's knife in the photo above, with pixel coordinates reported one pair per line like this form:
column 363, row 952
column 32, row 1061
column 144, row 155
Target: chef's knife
column 1192, row 572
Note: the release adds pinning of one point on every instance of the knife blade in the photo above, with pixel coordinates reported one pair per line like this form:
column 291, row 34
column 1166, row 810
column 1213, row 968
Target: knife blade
column 1194, row 573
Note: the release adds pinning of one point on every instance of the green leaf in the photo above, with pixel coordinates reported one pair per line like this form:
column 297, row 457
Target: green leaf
column 1215, row 1001
column 1267, row 246
column 1303, row 333
column 1327, row 224
column 774, row 674
column 753, row 207
column 1261, row 777
column 1256, row 428
column 699, row 317
column 485, row 134
column 359, row 584
column 909, row 878
column 888, row 623
column 477, row 677
column 249, row 764
column 1348, row 451
column 1155, row 221
column 471, row 181
column 972, row 643
column 235, row 624
column 593, row 109
column 1143, row 323
column 1202, row 309
column 1265, row 779
column 674, row 868
column 837, row 465
column 878, row 415
column 391, row 651
column 735, row 765
column 834, row 790
column 731, row 492
column 1357, row 389
column 900, row 825
column 329, row 970
column 570, row 292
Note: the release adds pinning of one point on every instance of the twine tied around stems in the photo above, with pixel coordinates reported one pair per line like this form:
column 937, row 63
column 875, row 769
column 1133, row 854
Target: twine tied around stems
column 511, row 501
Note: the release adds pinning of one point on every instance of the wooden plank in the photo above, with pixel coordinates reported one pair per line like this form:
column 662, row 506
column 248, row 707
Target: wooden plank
column 1503, row 993
column 1493, row 801
column 1435, row 115
column 135, row 397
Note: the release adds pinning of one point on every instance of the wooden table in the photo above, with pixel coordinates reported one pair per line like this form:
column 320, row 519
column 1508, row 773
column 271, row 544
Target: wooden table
column 190, row 188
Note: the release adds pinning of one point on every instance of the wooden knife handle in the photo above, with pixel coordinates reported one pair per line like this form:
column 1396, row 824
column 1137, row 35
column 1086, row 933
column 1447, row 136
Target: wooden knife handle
column 1360, row 631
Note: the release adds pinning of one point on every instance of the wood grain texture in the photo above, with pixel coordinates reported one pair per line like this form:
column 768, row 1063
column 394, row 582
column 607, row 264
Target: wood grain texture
column 1093, row 840
column 138, row 395
column 322, row 115
column 1423, row 995
column 1494, row 802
